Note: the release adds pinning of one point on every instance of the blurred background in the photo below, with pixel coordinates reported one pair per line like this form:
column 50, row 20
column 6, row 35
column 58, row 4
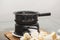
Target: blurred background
column 50, row 23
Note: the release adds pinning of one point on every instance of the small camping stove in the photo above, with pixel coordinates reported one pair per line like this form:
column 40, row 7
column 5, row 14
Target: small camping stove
column 26, row 20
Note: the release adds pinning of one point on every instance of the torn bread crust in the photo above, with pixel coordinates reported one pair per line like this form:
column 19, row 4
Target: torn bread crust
column 43, row 35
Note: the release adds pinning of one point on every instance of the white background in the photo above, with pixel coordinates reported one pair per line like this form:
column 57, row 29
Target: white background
column 7, row 7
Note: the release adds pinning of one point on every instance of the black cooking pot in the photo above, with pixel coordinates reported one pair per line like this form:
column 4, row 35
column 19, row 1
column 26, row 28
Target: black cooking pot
column 26, row 20
column 26, row 17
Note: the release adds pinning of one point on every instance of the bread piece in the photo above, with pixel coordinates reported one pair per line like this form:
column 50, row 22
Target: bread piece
column 27, row 36
column 54, row 36
column 40, row 38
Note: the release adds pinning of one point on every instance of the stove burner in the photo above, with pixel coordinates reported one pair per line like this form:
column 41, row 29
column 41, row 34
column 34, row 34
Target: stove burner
column 26, row 20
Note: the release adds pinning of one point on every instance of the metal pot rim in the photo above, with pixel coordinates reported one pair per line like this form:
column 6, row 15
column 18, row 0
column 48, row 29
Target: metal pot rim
column 25, row 13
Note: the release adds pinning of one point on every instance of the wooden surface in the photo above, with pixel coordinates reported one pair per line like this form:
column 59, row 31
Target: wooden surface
column 10, row 36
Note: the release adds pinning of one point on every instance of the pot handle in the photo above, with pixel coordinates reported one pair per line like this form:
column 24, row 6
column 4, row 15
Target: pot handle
column 44, row 14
